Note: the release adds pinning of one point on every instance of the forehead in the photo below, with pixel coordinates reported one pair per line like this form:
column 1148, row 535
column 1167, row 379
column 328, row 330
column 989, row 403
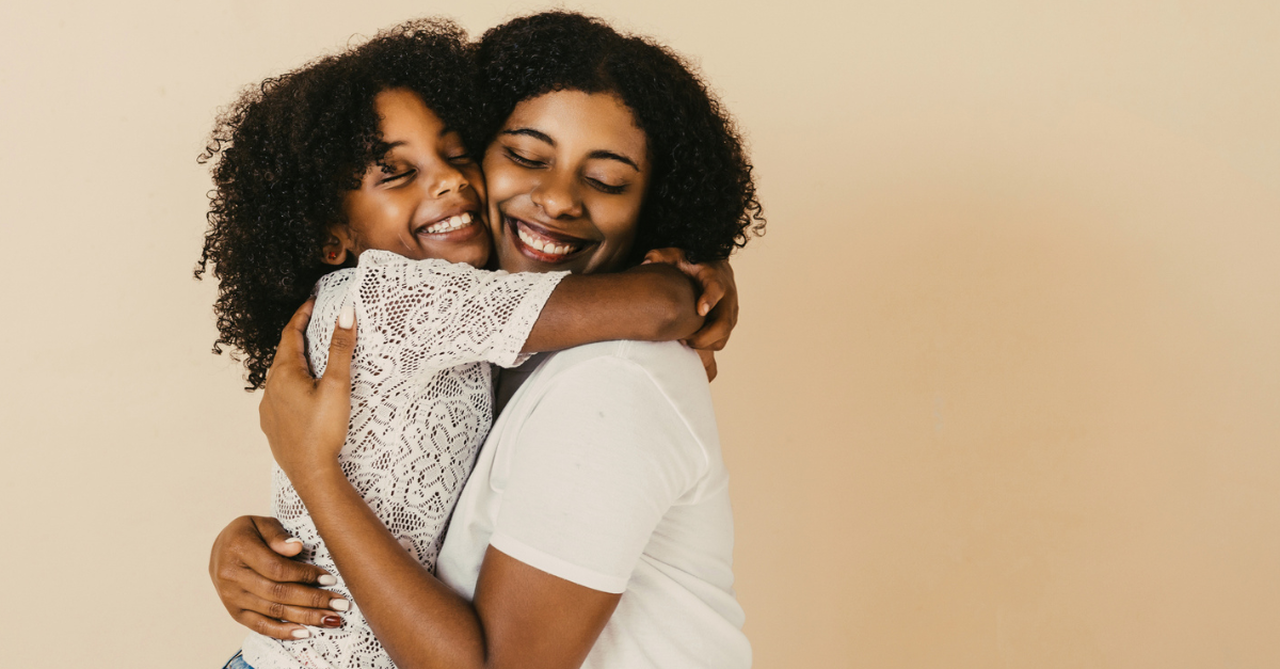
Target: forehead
column 405, row 118
column 582, row 121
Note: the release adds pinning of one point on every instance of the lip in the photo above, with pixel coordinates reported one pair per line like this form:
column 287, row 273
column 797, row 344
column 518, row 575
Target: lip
column 457, row 234
column 514, row 224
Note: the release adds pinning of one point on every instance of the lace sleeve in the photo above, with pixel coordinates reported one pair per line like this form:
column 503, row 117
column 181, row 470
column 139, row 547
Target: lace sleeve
column 431, row 314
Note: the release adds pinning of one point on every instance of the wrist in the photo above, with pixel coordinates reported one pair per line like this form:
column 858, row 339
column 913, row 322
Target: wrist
column 313, row 476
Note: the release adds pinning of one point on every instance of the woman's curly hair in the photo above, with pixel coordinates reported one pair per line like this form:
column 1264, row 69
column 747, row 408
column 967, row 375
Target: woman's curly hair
column 702, row 197
column 285, row 154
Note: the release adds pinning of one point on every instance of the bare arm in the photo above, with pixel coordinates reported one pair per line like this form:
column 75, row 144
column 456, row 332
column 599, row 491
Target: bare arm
column 649, row 303
column 521, row 617
column 422, row 622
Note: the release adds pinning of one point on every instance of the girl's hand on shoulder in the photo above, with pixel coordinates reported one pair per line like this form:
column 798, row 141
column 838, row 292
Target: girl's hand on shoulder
column 718, row 301
column 305, row 419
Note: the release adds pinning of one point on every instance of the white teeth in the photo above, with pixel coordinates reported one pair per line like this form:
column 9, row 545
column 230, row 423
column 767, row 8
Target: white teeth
column 548, row 247
column 452, row 223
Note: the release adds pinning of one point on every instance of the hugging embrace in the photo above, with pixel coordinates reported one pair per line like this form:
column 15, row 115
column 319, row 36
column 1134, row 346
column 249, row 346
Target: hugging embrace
column 589, row 523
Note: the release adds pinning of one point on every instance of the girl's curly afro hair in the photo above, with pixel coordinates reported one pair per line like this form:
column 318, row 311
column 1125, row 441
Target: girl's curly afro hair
column 702, row 197
column 286, row 152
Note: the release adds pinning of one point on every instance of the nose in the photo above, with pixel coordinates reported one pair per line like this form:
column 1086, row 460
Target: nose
column 557, row 196
column 447, row 179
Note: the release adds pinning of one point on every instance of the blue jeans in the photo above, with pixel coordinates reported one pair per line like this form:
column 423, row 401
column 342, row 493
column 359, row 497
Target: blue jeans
column 236, row 662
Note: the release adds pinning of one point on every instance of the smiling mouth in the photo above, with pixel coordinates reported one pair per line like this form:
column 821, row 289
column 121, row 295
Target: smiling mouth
column 450, row 224
column 542, row 244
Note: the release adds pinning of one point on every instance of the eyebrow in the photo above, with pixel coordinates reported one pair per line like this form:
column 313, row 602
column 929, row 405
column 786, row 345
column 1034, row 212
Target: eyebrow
column 599, row 153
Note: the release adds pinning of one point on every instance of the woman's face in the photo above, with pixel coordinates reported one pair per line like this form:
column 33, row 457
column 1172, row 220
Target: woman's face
column 566, row 177
column 427, row 198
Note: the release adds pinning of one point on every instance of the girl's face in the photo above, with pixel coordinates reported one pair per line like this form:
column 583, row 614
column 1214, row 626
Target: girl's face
column 566, row 177
column 427, row 202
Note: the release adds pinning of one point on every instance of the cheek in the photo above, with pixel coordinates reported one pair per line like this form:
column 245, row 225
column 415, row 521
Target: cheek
column 619, row 220
column 475, row 176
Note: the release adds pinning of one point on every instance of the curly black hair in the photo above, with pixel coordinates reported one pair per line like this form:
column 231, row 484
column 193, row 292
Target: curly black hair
column 702, row 197
column 288, row 150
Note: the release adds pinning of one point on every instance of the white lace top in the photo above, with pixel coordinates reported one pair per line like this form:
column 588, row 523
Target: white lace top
column 421, row 405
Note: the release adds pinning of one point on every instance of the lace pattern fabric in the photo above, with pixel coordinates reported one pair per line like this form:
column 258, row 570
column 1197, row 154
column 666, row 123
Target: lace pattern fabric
column 421, row 405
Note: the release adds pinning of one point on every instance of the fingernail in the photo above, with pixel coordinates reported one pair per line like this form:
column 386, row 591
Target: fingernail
column 703, row 309
column 327, row 580
column 332, row 621
column 293, row 540
column 347, row 317
column 339, row 605
column 300, row 634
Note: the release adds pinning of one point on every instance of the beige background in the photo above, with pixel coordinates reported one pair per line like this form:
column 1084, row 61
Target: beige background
column 1005, row 393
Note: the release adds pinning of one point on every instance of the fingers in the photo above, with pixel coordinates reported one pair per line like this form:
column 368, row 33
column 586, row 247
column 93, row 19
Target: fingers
column 290, row 601
column 272, row 628
column 337, row 371
column 714, row 334
column 709, row 364
column 669, row 256
column 267, row 565
column 291, row 353
column 244, row 544
column 276, row 537
column 713, row 290
column 251, row 610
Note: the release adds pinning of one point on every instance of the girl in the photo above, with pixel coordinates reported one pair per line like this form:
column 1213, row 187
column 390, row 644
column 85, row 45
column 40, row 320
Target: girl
column 361, row 156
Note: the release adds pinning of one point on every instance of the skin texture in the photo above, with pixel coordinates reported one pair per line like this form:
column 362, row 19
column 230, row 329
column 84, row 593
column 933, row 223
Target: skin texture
column 421, row 622
column 570, row 165
column 283, row 157
column 426, row 176
column 698, row 194
column 306, row 420
column 563, row 179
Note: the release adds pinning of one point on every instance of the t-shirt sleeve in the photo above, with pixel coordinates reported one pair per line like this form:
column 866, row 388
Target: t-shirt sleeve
column 433, row 314
column 600, row 461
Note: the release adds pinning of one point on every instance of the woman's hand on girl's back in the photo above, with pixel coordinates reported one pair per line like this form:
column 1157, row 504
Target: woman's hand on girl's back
column 263, row 589
column 305, row 419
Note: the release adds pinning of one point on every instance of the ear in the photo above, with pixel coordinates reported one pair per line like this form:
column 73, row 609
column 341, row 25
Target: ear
column 336, row 248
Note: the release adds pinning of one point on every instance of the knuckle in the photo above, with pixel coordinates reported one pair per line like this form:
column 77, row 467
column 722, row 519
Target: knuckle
column 278, row 592
column 276, row 610
column 277, row 571
column 261, row 626
column 223, row 574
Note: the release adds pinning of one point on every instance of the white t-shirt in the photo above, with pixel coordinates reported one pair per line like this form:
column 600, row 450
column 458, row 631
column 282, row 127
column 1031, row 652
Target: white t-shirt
column 421, row 403
column 605, row 470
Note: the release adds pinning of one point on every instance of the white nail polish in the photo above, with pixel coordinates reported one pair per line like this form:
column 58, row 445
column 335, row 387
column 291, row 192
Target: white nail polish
column 293, row 540
column 347, row 317
column 327, row 580
column 339, row 605
column 301, row 634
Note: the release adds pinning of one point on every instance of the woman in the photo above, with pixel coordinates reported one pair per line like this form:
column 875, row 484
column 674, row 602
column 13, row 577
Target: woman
column 603, row 475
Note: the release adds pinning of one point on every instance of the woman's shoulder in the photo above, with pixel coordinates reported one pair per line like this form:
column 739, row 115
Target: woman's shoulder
column 666, row 364
column 668, row 375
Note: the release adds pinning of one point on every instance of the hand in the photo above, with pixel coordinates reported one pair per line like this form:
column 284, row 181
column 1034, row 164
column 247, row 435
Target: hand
column 261, row 586
column 305, row 419
column 718, row 302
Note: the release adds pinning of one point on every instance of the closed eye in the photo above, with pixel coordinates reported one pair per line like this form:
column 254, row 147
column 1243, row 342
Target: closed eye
column 607, row 188
column 522, row 161
column 397, row 177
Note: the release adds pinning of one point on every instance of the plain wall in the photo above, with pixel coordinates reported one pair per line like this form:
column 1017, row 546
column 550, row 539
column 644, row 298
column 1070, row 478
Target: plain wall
column 1006, row 386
